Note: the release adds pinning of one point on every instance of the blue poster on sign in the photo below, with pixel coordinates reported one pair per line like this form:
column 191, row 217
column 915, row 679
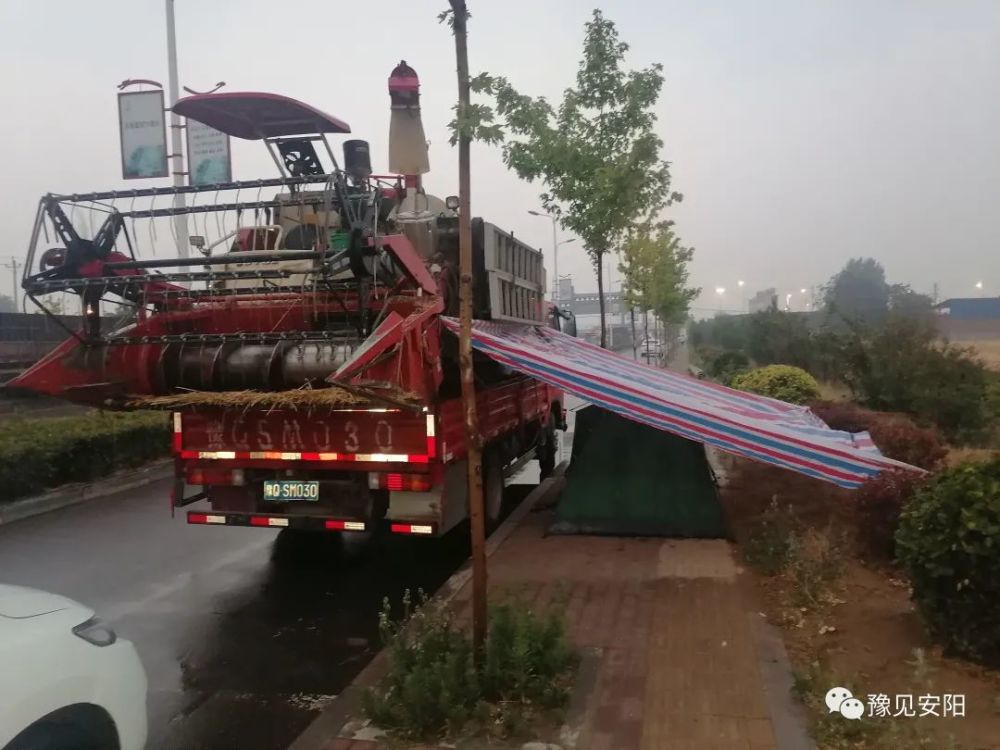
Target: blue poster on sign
column 209, row 160
column 143, row 134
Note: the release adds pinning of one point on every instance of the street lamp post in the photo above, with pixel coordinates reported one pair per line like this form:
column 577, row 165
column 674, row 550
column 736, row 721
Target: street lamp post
column 176, row 145
column 556, row 294
column 555, row 253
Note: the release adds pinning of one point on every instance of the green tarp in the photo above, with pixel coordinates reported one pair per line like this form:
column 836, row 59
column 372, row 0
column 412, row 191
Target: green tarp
column 627, row 478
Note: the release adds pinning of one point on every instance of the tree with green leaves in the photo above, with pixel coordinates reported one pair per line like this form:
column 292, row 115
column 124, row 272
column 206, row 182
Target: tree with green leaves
column 906, row 303
column 654, row 275
column 597, row 152
column 858, row 293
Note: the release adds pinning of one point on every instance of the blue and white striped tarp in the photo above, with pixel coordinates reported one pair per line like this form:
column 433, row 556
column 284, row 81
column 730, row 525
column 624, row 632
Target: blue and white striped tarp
column 742, row 423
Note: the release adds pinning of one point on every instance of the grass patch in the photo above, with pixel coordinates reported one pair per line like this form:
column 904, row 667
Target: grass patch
column 833, row 731
column 435, row 688
column 36, row 454
column 830, row 729
column 816, row 561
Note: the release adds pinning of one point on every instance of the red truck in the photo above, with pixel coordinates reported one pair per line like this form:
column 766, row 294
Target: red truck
column 301, row 351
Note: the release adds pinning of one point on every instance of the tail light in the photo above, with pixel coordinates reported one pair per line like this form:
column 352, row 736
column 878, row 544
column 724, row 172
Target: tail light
column 411, row 528
column 214, row 476
column 400, row 482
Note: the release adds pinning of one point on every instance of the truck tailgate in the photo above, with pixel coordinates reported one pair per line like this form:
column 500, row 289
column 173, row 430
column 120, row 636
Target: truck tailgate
column 383, row 435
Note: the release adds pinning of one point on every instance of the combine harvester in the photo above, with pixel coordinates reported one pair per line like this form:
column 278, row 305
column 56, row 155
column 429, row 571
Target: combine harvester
column 307, row 349
column 301, row 349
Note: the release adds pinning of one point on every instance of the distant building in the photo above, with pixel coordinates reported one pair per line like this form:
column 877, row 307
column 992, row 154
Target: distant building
column 969, row 318
column 766, row 299
column 566, row 292
column 970, row 308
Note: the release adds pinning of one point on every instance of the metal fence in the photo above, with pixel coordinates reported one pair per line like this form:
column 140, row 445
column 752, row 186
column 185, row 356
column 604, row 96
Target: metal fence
column 26, row 337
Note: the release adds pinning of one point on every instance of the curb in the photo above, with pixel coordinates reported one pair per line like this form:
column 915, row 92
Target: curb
column 81, row 492
column 325, row 727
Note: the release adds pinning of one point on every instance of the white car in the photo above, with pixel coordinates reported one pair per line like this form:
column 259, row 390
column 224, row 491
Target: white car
column 67, row 682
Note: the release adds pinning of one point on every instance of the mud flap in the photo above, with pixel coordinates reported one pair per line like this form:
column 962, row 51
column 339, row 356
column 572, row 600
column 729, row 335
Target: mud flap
column 629, row 479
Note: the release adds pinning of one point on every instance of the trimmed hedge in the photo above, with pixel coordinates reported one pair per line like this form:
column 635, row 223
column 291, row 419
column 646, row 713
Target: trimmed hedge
column 948, row 541
column 783, row 382
column 896, row 435
column 878, row 504
column 36, row 454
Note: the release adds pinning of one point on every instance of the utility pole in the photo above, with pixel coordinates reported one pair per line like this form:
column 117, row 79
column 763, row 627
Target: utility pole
column 555, row 263
column 475, row 456
column 176, row 140
column 13, row 275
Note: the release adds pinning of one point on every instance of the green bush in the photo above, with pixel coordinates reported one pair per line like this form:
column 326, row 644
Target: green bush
column 902, row 367
column 783, row 382
column 949, row 543
column 724, row 366
column 39, row 453
column 434, row 688
column 769, row 545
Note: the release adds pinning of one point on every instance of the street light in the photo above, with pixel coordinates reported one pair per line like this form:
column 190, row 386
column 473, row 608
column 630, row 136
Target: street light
column 720, row 290
column 555, row 253
column 556, row 293
column 802, row 291
column 740, row 283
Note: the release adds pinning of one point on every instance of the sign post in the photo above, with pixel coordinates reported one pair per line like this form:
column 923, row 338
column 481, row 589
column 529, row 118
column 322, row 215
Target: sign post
column 143, row 134
column 209, row 159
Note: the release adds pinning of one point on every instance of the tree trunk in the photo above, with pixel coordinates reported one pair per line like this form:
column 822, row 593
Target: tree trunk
column 475, row 455
column 645, row 333
column 635, row 344
column 600, row 299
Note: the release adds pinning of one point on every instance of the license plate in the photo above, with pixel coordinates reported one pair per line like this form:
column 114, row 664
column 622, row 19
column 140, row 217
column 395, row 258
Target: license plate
column 287, row 490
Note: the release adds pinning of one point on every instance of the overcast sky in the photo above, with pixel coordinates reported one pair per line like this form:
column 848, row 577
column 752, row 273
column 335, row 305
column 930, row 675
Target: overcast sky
column 801, row 133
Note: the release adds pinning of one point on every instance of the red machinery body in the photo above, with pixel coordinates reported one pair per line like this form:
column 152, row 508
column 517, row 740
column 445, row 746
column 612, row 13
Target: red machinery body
column 311, row 382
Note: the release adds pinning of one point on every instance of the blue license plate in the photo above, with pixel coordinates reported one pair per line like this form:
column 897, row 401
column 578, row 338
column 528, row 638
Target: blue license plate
column 287, row 490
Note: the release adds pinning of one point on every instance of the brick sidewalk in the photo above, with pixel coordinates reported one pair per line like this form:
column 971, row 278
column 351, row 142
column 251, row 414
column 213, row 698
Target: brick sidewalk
column 668, row 629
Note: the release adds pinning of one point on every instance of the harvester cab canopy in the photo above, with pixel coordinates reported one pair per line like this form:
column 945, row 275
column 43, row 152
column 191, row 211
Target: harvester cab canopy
column 289, row 128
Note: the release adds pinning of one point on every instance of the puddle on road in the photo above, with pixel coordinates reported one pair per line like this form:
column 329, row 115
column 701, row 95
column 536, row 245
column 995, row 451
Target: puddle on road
column 276, row 649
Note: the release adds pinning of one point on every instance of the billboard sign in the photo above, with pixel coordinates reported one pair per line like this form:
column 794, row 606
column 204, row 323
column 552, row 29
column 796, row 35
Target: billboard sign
column 208, row 156
column 142, row 123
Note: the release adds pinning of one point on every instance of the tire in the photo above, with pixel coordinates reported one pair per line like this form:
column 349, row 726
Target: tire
column 492, row 490
column 546, row 449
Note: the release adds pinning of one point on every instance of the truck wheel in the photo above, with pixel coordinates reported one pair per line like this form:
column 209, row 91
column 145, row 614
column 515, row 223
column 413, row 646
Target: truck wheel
column 546, row 449
column 492, row 490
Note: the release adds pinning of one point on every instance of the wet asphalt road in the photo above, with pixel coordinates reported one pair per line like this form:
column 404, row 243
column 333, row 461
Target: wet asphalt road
column 244, row 637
